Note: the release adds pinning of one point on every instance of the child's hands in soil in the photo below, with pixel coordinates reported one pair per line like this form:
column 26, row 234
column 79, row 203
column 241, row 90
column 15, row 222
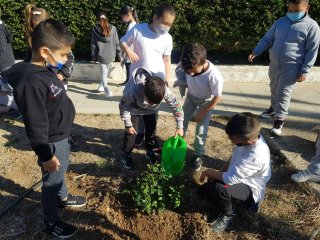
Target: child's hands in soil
column 179, row 132
column 131, row 131
column 51, row 165
column 211, row 174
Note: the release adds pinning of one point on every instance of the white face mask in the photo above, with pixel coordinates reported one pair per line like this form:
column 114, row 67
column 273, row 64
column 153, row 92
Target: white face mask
column 161, row 30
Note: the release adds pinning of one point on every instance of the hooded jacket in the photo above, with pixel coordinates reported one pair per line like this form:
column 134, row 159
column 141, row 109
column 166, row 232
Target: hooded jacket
column 133, row 101
column 47, row 111
column 292, row 45
column 104, row 48
column 6, row 54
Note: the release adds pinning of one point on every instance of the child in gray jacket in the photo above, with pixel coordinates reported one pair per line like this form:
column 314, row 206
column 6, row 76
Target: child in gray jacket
column 142, row 97
column 293, row 43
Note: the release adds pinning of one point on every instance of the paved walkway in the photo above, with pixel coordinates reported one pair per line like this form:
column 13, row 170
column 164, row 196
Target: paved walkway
column 237, row 97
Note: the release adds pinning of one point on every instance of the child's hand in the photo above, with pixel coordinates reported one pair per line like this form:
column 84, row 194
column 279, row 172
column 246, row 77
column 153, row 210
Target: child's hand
column 204, row 175
column 251, row 57
column 199, row 117
column 51, row 165
column 132, row 56
column 131, row 131
column 301, row 78
column 179, row 132
column 60, row 77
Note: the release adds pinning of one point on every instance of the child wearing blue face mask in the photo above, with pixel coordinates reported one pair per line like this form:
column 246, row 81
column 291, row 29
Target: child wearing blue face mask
column 152, row 45
column 293, row 43
column 48, row 115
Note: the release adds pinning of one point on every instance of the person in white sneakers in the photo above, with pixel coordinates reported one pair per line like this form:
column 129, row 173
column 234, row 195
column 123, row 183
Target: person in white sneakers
column 104, row 49
column 312, row 173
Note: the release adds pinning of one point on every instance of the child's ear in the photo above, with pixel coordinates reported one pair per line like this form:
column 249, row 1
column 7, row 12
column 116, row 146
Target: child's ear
column 44, row 52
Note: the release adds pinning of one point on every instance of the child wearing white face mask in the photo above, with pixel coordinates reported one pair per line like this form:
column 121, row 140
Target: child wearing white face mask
column 152, row 46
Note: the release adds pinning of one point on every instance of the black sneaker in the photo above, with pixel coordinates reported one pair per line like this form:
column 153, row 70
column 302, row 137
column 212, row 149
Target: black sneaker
column 254, row 208
column 127, row 161
column 222, row 222
column 151, row 156
column 139, row 140
column 60, row 229
column 72, row 201
column 277, row 127
column 268, row 113
column 15, row 115
column 196, row 163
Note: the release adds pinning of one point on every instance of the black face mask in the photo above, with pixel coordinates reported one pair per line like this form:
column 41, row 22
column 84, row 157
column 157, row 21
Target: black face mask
column 197, row 74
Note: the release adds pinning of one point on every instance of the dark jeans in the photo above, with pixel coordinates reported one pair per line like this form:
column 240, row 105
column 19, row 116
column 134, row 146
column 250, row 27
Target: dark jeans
column 128, row 71
column 150, row 122
column 54, row 185
column 225, row 196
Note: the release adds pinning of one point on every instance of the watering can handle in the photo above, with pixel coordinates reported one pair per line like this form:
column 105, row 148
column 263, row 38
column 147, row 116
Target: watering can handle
column 176, row 139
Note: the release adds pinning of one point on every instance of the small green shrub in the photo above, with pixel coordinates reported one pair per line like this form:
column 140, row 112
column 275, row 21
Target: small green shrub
column 153, row 190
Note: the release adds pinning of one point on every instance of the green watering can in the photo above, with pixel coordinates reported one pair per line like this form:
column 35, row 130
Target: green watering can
column 174, row 153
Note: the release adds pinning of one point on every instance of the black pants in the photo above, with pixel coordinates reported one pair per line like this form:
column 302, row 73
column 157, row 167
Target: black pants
column 225, row 196
column 128, row 71
column 54, row 184
column 150, row 122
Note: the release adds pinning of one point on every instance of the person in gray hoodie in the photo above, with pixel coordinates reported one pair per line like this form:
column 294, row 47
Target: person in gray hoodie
column 293, row 43
column 142, row 97
column 104, row 49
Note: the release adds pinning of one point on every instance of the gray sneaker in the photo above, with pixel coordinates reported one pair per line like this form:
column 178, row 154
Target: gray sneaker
column 222, row 222
column 305, row 176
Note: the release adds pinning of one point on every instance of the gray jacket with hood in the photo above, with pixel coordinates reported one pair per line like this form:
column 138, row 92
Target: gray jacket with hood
column 133, row 100
column 292, row 45
column 104, row 48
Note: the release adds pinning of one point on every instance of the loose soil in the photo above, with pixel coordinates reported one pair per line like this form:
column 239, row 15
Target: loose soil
column 290, row 211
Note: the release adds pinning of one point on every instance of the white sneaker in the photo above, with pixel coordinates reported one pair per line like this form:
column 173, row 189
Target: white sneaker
column 108, row 94
column 277, row 127
column 305, row 176
column 100, row 88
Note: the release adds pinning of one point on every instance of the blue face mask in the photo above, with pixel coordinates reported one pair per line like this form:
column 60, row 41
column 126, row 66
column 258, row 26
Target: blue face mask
column 295, row 16
column 58, row 65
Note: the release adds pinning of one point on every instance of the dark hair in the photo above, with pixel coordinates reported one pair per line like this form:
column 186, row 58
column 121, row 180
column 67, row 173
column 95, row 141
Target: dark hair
column 125, row 10
column 297, row 2
column 52, row 34
column 161, row 9
column 154, row 89
column 103, row 20
column 245, row 126
column 193, row 55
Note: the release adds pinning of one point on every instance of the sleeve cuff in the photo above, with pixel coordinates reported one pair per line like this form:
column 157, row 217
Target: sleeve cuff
column 45, row 152
column 180, row 124
column 128, row 123
column 226, row 178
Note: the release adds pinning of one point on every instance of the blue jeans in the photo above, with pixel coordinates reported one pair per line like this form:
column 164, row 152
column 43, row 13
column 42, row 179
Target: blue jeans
column 54, row 184
column 192, row 106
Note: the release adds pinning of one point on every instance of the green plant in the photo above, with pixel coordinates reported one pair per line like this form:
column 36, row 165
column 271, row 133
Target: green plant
column 153, row 190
